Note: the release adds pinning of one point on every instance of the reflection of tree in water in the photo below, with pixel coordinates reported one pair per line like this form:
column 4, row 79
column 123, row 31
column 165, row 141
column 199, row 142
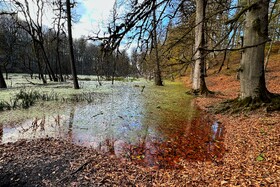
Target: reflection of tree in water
column 71, row 121
column 1, row 132
column 195, row 140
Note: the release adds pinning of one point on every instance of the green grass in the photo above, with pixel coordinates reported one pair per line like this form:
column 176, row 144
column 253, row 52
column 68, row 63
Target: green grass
column 170, row 98
column 169, row 105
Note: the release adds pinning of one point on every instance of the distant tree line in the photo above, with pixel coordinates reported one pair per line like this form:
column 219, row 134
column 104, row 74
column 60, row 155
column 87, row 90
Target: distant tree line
column 17, row 54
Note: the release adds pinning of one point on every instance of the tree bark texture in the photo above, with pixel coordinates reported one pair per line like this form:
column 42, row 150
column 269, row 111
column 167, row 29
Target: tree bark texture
column 198, row 79
column 71, row 50
column 158, row 79
column 252, row 75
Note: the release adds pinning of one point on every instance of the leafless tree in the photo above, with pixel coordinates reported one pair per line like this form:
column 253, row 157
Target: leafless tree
column 70, row 39
column 34, row 27
column 58, row 27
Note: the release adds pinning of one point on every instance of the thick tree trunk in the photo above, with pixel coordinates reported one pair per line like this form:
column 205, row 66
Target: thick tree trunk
column 198, row 79
column 2, row 80
column 71, row 50
column 252, row 74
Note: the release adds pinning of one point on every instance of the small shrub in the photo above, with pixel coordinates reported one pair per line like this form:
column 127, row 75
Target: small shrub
column 25, row 99
column 4, row 106
column 89, row 97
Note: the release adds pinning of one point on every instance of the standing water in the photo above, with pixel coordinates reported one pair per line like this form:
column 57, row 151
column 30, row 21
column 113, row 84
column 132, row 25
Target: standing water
column 155, row 126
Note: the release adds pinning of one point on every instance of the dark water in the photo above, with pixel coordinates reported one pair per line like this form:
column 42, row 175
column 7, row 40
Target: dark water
column 151, row 127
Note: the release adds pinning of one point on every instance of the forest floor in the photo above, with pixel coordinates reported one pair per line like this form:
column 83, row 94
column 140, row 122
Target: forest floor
column 251, row 141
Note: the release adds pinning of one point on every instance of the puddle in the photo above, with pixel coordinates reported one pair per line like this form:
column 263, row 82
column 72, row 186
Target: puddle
column 146, row 127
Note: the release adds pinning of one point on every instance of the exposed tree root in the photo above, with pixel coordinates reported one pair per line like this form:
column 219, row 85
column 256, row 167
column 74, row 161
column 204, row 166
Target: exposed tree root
column 198, row 92
column 248, row 104
column 275, row 104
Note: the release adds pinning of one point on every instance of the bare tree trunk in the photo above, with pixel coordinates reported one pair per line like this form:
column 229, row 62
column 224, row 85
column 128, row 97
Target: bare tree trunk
column 58, row 60
column 270, row 46
column 268, row 52
column 59, row 64
column 41, row 75
column 2, row 80
column 48, row 65
column 252, row 74
column 158, row 79
column 198, row 83
column 71, row 50
column 6, row 72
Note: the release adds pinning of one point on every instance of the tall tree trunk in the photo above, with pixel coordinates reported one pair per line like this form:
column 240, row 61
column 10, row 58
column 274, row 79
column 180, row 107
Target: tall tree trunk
column 58, row 60
column 198, row 83
column 252, row 74
column 59, row 64
column 48, row 65
column 71, row 50
column 276, row 24
column 158, row 79
column 41, row 75
column 2, row 80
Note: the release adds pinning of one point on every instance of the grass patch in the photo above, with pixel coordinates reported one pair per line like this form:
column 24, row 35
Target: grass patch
column 169, row 99
column 26, row 98
column 4, row 105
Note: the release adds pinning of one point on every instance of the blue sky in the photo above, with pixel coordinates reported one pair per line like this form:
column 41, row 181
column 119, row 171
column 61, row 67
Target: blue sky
column 93, row 14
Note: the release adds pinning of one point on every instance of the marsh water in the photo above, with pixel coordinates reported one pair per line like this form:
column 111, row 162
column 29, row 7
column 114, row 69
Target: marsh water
column 133, row 120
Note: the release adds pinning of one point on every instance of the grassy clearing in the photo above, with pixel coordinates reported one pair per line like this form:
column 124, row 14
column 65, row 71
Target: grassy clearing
column 51, row 98
column 20, row 84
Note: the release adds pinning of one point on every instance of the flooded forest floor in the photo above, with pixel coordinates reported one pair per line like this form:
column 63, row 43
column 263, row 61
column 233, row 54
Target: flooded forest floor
column 251, row 152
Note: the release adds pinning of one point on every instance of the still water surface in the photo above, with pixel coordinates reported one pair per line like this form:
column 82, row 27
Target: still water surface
column 150, row 125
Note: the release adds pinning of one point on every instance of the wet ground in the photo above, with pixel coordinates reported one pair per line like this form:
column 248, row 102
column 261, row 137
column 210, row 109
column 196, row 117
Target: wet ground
column 153, row 126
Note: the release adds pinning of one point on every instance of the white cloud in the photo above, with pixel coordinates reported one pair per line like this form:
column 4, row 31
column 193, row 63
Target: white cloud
column 95, row 14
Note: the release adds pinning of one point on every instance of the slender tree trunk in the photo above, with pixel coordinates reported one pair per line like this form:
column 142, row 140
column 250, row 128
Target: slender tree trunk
column 48, row 65
column 71, row 50
column 59, row 65
column 49, row 73
column 268, row 54
column 158, row 79
column 270, row 46
column 2, row 80
column 198, row 83
column 41, row 75
column 58, row 60
column 252, row 74
column 1, row 133
column 114, row 67
column 6, row 72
